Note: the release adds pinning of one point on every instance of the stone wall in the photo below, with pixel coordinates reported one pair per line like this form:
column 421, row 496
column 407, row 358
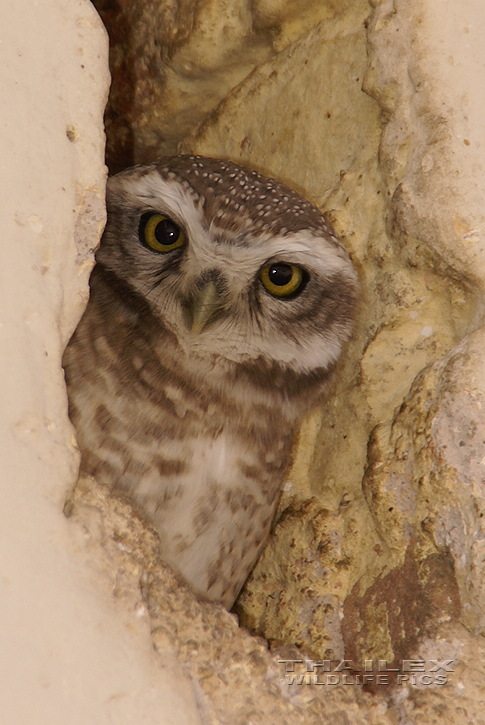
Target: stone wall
column 70, row 652
column 374, row 112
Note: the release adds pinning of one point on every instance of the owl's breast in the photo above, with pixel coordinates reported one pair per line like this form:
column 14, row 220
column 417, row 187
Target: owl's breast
column 213, row 517
column 199, row 458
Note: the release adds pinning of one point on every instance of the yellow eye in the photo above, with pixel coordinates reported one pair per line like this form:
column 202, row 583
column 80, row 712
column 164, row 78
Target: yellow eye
column 283, row 280
column 160, row 233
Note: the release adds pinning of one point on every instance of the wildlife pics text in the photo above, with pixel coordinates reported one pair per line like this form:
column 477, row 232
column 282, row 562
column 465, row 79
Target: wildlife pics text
column 413, row 673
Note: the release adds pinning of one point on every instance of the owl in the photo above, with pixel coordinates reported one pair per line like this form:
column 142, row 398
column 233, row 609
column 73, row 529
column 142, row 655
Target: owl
column 220, row 302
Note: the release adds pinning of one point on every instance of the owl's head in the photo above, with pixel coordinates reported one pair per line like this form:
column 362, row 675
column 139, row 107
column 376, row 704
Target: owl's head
column 237, row 266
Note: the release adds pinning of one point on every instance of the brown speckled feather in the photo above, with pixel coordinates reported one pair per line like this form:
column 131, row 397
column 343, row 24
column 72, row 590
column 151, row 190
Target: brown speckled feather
column 195, row 425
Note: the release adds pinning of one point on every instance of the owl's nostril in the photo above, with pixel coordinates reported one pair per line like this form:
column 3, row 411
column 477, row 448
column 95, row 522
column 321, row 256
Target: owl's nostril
column 213, row 276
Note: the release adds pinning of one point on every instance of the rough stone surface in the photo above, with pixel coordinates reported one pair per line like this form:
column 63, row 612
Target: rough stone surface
column 69, row 653
column 375, row 114
column 425, row 482
column 172, row 63
column 462, row 700
column 235, row 678
column 366, row 111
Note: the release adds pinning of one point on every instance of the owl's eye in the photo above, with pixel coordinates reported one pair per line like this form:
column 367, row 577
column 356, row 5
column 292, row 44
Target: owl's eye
column 283, row 280
column 160, row 233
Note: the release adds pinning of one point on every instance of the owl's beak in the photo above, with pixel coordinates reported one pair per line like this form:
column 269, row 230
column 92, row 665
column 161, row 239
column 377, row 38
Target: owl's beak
column 205, row 304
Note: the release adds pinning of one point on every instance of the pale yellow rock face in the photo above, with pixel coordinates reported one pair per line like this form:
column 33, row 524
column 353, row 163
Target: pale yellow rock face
column 234, row 677
column 374, row 112
column 379, row 537
column 304, row 118
column 69, row 654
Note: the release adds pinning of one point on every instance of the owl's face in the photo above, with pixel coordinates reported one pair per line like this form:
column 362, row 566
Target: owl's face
column 235, row 265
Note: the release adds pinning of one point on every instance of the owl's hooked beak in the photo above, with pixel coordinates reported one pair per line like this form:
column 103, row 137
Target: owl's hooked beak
column 204, row 305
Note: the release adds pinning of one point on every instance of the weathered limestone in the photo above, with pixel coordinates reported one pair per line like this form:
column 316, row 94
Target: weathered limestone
column 375, row 113
column 379, row 535
column 171, row 65
column 69, row 652
column 425, row 478
column 235, row 678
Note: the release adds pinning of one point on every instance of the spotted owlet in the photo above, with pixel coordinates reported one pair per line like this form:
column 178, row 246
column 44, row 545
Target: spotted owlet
column 219, row 305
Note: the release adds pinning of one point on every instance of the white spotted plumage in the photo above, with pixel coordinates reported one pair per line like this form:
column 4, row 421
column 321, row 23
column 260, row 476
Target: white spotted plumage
column 187, row 375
